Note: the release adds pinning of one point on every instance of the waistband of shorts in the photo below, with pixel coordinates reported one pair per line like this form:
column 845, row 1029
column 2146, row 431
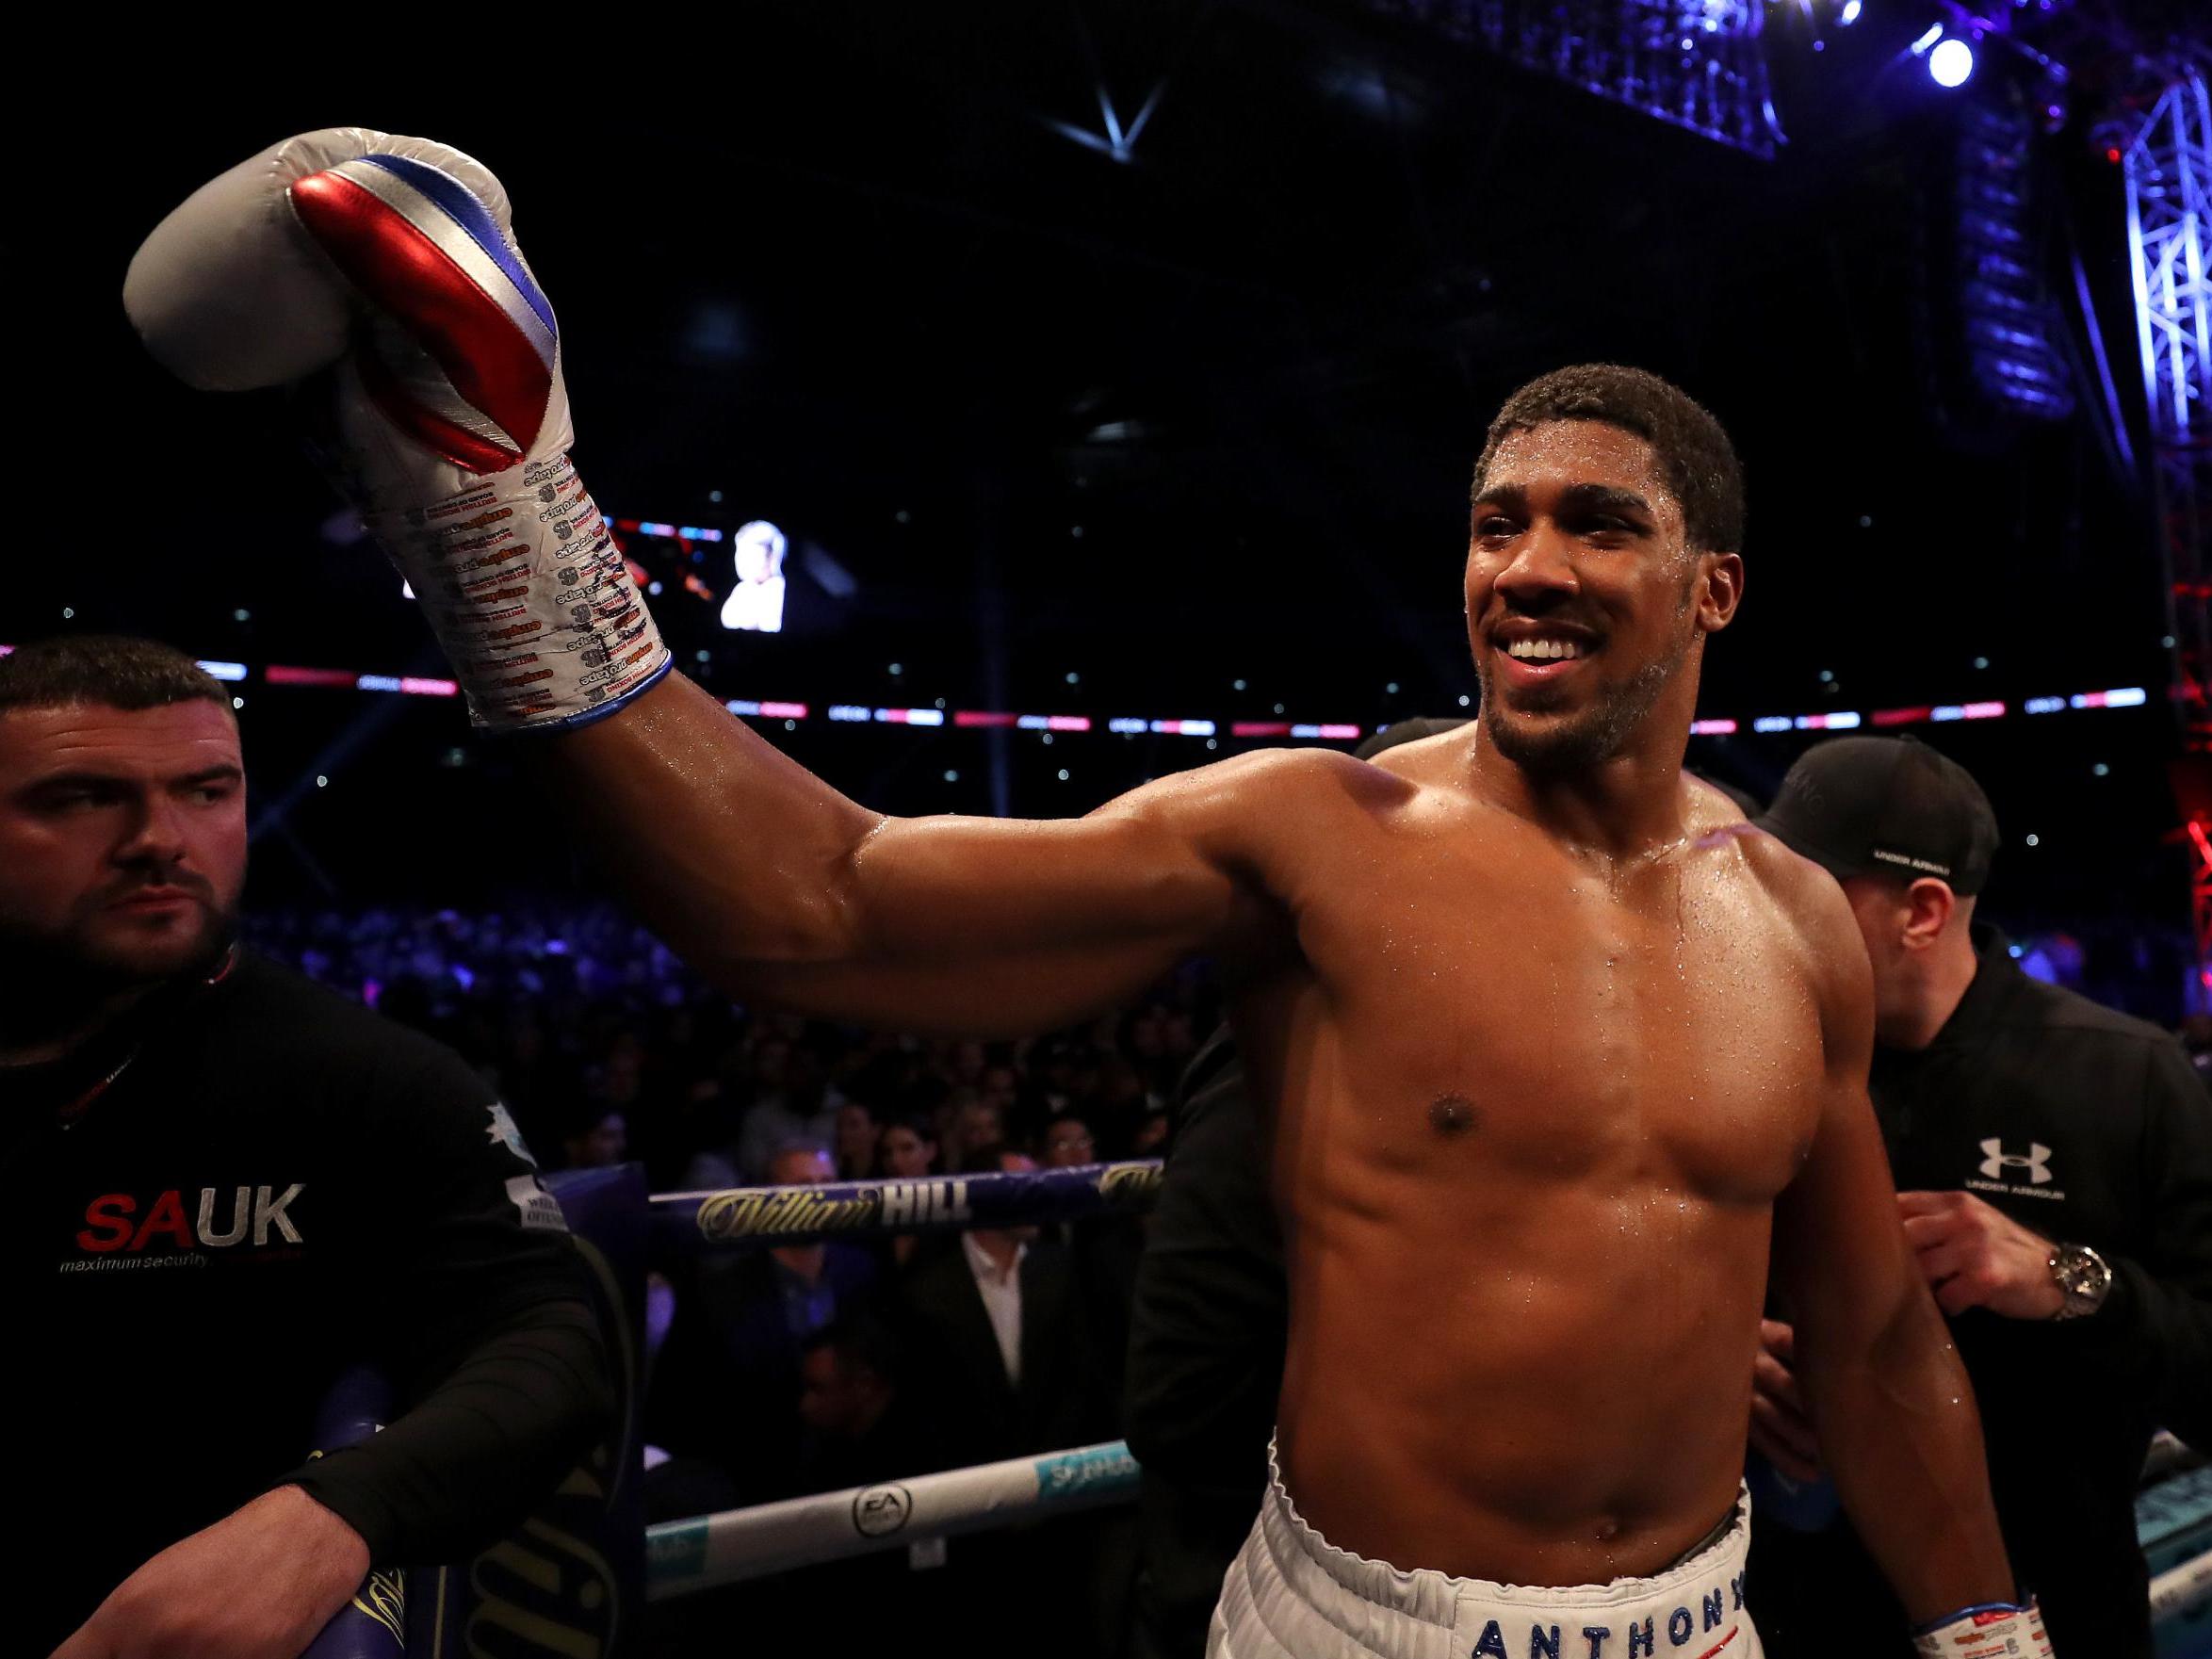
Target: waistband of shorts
column 1703, row 1591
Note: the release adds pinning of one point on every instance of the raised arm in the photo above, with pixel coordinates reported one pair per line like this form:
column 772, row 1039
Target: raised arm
column 380, row 274
column 1885, row 1389
column 779, row 889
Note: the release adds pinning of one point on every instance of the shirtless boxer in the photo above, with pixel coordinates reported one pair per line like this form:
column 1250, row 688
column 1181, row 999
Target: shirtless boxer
column 1550, row 1040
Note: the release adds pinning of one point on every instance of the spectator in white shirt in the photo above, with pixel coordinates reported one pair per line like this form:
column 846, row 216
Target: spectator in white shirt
column 995, row 1256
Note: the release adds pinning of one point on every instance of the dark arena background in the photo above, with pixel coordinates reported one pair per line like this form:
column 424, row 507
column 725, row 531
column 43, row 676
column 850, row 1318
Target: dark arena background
column 1112, row 374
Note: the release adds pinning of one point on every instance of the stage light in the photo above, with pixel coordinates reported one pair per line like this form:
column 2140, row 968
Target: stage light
column 1950, row 63
column 1849, row 14
column 1919, row 48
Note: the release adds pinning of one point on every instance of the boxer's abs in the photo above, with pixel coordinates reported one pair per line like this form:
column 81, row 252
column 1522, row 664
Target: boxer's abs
column 1526, row 1169
column 1562, row 1405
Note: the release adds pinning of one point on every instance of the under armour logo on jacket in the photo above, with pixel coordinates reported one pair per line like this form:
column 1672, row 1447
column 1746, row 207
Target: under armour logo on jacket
column 2036, row 1162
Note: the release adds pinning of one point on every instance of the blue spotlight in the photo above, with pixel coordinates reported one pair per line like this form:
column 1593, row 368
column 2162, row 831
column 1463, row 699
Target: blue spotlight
column 1950, row 63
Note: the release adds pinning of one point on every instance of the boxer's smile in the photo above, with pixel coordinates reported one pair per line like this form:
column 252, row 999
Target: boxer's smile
column 1535, row 653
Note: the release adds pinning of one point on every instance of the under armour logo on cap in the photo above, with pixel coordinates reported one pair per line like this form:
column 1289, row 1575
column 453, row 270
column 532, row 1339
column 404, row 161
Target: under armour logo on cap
column 1997, row 1161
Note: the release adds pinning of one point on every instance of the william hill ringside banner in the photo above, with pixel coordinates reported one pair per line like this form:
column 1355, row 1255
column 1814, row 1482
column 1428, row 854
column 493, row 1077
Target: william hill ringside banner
column 945, row 1203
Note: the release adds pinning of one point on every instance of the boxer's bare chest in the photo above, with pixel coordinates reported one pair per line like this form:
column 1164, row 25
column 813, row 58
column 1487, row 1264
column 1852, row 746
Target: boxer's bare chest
column 1480, row 997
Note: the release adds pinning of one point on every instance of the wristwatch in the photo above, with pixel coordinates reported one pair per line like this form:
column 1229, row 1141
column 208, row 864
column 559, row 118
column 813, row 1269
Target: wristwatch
column 2083, row 1277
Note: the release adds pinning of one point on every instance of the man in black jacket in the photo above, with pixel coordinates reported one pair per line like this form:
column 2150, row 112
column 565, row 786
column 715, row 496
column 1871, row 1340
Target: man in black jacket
column 1001, row 1361
column 2054, row 1165
column 1001, row 1357
column 1207, row 1335
column 228, row 1184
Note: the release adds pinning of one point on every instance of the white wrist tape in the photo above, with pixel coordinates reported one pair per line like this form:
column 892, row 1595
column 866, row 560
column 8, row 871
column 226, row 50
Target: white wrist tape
column 1998, row 1630
column 526, row 591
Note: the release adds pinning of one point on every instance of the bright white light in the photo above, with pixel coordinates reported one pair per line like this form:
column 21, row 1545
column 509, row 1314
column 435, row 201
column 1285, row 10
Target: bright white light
column 1934, row 34
column 1849, row 14
column 1950, row 63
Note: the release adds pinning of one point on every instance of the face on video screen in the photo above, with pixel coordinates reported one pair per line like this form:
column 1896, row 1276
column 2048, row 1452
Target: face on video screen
column 757, row 603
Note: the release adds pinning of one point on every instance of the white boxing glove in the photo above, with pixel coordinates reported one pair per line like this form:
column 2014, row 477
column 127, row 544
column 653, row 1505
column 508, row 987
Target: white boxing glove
column 389, row 262
column 2000, row 1630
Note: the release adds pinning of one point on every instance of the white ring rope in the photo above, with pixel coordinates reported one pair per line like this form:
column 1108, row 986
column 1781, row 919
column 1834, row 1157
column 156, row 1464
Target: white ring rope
column 2182, row 1592
column 686, row 1557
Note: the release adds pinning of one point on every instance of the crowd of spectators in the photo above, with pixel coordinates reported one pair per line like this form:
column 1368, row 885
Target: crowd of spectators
column 816, row 1367
column 607, row 1049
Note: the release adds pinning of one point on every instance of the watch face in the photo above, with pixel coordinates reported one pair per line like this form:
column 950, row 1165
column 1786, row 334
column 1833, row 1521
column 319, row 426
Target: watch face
column 2083, row 1276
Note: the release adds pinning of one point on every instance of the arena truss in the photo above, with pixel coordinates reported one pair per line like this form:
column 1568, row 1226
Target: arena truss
column 1696, row 64
column 2166, row 155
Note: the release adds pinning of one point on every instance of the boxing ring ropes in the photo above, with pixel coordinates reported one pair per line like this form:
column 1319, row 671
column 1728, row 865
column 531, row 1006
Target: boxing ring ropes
column 684, row 1556
column 569, row 1584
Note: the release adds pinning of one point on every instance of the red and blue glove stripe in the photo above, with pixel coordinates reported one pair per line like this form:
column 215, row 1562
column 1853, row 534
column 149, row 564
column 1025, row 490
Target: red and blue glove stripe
column 420, row 245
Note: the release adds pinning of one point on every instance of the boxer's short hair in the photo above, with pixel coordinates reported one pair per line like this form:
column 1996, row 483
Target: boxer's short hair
column 1694, row 453
column 117, row 670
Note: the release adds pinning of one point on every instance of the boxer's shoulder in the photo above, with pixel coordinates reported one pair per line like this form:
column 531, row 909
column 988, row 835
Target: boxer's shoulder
column 1819, row 917
column 1805, row 891
column 1268, row 794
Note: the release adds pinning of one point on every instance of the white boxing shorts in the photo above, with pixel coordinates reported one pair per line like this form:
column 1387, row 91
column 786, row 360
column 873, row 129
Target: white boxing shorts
column 1291, row 1594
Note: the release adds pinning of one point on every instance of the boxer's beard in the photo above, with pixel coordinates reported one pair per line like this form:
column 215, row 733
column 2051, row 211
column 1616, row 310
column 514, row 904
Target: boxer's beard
column 1557, row 748
column 55, row 981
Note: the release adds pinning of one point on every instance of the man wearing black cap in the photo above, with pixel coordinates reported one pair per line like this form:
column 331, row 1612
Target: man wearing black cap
column 2054, row 1160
